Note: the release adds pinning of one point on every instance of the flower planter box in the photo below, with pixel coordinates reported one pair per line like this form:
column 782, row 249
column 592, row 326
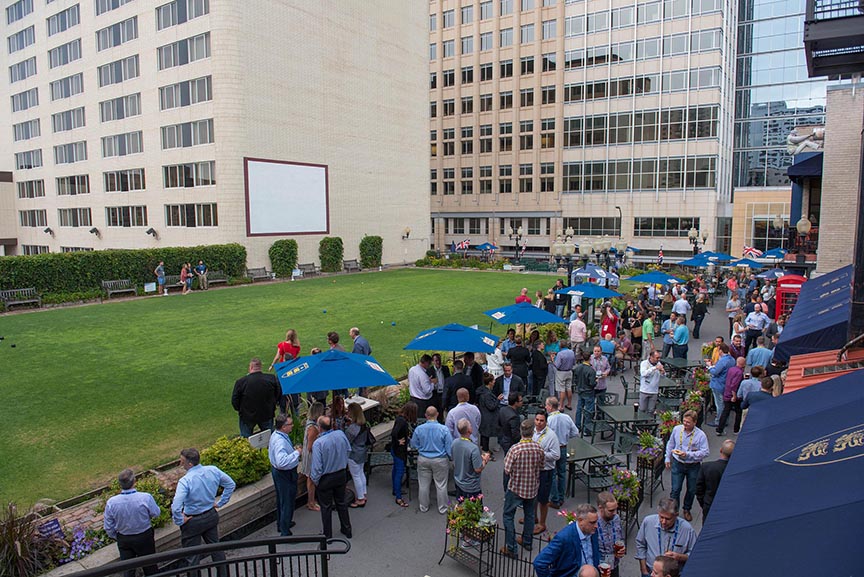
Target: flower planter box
column 474, row 549
column 650, row 475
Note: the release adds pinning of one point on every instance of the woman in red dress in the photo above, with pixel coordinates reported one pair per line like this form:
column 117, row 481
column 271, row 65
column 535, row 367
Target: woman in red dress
column 287, row 350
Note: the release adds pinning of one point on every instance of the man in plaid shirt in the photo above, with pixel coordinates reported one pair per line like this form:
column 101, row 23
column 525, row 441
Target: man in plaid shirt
column 523, row 464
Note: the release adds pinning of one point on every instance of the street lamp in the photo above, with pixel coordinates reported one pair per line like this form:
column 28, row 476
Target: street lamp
column 518, row 234
column 562, row 251
column 585, row 250
column 803, row 227
column 693, row 235
column 621, row 249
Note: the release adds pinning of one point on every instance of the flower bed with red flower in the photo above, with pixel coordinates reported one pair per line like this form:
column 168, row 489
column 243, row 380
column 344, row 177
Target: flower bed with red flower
column 470, row 517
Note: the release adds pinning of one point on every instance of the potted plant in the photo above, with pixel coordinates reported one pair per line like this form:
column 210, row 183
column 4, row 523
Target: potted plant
column 668, row 421
column 693, row 401
column 471, row 519
column 626, row 490
column 650, row 447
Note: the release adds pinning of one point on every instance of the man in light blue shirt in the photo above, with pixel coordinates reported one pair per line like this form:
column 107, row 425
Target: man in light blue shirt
column 756, row 323
column 284, row 458
column 509, row 342
column 760, row 356
column 193, row 507
column 127, row 520
column 565, row 429
column 680, row 338
column 329, row 461
column 463, row 410
column 686, row 449
column 751, row 385
column 667, row 329
column 664, row 534
column 434, row 443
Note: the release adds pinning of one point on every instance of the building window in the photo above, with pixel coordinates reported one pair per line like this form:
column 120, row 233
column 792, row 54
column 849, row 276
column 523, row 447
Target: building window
column 433, row 80
column 433, row 180
column 548, row 94
column 485, row 139
column 117, row 34
column 68, row 120
column 527, row 65
column 67, row 87
column 467, row 184
column 187, row 134
column 486, row 72
column 526, row 97
column 448, row 48
column 549, row 62
column 506, row 67
column 32, row 218
column 458, row 226
column 467, row 44
column 449, row 78
column 189, row 175
column 70, row 153
column 449, row 107
column 448, row 134
column 467, row 105
column 31, row 188
column 547, row 133
column 74, row 217
column 485, row 180
column 72, row 185
column 675, row 227
column 18, row 10
column 180, row 11
column 433, row 141
column 120, row 107
column 505, row 7
column 474, row 226
column 25, row 100
column 547, row 178
column 433, row 51
column 103, row 6
column 433, row 22
column 433, row 109
column 467, row 75
column 505, row 138
column 486, row 10
column 526, row 35
column 467, row 142
column 125, row 216
column 64, row 20
column 485, row 103
column 117, row 71
column 485, row 41
column 31, row 249
column 527, row 185
column 191, row 215
column 21, row 39
column 26, row 130
column 75, row 248
column 22, row 70
column 448, row 19
column 593, row 225
column 184, row 51
column 448, row 183
column 64, row 54
column 128, row 180
column 759, row 225
column 122, row 144
column 28, row 159
column 505, row 37
column 527, row 5
column 550, row 28
column 534, row 226
column 506, row 100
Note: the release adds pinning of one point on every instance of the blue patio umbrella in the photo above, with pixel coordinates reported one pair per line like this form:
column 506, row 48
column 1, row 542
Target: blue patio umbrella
column 453, row 337
column 590, row 271
column 696, row 261
column 331, row 370
column 746, row 262
column 772, row 274
column 717, row 256
column 486, row 246
column 588, row 290
column 634, row 249
column 522, row 313
column 656, row 277
column 775, row 253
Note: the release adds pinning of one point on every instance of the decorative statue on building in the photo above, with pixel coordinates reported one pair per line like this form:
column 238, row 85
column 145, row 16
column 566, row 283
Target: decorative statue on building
column 796, row 143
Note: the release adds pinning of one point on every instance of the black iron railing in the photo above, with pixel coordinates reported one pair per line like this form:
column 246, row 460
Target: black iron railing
column 299, row 556
column 828, row 9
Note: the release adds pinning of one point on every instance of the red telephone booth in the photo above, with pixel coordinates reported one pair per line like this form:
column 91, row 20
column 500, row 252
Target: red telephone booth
column 788, row 287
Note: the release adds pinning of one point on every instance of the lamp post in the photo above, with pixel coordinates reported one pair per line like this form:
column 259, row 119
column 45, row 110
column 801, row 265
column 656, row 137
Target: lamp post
column 803, row 227
column 518, row 234
column 621, row 249
column 585, row 250
column 562, row 251
column 693, row 235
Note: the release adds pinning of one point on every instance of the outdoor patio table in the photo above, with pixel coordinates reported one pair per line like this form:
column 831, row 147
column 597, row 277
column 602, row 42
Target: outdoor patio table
column 580, row 451
column 622, row 418
column 681, row 367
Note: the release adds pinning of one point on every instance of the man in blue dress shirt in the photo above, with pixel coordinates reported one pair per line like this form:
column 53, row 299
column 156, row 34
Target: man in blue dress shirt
column 127, row 520
column 434, row 445
column 574, row 546
column 193, row 507
column 686, row 449
column 329, row 461
column 361, row 347
column 284, row 458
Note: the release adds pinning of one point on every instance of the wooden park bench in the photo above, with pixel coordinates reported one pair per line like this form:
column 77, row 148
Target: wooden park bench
column 172, row 281
column 309, row 269
column 120, row 286
column 351, row 265
column 23, row 296
column 216, row 277
column 258, row 274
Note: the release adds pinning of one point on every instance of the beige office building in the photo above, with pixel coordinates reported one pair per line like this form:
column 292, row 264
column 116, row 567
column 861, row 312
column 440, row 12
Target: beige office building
column 611, row 117
column 145, row 123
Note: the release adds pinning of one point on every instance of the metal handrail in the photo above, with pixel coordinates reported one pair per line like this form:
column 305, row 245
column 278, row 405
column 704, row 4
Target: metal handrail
column 828, row 9
column 167, row 559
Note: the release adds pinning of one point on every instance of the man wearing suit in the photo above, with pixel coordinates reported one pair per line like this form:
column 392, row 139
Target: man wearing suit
column 575, row 545
column 520, row 358
column 475, row 372
column 361, row 347
column 507, row 383
column 508, row 423
column 709, row 477
column 459, row 380
column 440, row 373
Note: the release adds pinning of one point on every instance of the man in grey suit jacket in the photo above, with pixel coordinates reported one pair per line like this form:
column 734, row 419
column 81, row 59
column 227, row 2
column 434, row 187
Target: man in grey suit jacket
column 508, row 383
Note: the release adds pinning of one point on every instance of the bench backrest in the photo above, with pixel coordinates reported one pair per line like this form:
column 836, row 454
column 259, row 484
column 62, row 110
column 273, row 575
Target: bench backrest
column 17, row 293
column 117, row 284
column 257, row 271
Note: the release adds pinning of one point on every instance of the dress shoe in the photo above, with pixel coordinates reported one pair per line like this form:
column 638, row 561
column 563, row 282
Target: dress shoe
column 687, row 516
column 347, row 533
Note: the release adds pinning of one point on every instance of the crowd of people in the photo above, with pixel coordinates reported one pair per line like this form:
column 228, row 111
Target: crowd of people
column 454, row 415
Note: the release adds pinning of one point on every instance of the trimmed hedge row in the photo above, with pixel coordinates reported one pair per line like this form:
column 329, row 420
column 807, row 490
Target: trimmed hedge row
column 283, row 256
column 84, row 271
column 371, row 249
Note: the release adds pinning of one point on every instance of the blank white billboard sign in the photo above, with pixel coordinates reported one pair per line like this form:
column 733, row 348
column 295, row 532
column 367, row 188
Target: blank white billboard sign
column 285, row 197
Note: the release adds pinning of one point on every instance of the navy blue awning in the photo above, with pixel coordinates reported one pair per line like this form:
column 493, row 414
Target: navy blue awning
column 820, row 318
column 811, row 166
column 790, row 499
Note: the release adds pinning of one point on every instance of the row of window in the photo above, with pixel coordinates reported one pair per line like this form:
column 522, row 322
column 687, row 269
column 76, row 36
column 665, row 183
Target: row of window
column 640, row 174
column 176, row 215
column 664, row 226
column 675, row 227
column 182, row 135
column 487, row 12
column 527, row 35
column 643, row 126
column 639, row 15
column 167, row 15
column 188, row 175
column 505, row 183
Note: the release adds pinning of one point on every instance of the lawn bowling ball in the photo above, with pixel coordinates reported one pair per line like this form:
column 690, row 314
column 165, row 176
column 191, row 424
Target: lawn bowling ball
column 324, row 311
column 393, row 324
column 13, row 346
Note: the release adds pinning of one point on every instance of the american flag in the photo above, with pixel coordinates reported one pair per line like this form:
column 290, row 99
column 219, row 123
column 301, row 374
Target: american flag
column 660, row 255
column 751, row 252
column 463, row 245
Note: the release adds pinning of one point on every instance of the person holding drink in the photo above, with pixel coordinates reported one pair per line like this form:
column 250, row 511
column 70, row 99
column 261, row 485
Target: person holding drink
column 575, row 545
column 610, row 534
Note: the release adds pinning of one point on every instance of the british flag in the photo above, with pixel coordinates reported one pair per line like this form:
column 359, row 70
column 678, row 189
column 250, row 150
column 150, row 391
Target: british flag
column 751, row 252
column 660, row 255
column 463, row 245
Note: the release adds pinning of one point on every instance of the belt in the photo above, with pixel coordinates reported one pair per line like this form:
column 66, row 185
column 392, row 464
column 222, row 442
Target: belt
column 148, row 530
column 200, row 514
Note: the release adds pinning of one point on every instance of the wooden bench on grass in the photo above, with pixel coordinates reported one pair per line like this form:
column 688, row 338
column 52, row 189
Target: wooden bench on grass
column 216, row 277
column 23, row 296
column 258, row 274
column 309, row 269
column 351, row 265
column 120, row 286
column 172, row 281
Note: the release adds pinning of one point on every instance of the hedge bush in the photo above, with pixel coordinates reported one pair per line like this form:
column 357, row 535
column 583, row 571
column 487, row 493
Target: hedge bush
column 76, row 272
column 238, row 459
column 331, row 252
column 459, row 262
column 283, row 256
column 371, row 249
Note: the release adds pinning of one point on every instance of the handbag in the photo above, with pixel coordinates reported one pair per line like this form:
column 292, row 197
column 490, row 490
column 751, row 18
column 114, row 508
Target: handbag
column 370, row 438
column 637, row 331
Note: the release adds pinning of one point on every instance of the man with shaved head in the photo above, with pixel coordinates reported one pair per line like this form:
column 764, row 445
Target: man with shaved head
column 709, row 477
column 463, row 410
column 434, row 443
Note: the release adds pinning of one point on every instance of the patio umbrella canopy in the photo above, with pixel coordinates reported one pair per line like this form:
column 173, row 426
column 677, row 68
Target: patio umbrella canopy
column 331, row 370
column 717, row 256
column 453, row 337
column 522, row 313
column 746, row 262
column 486, row 246
column 772, row 274
column 775, row 253
column 656, row 277
column 590, row 271
column 696, row 261
column 588, row 290
column 790, row 499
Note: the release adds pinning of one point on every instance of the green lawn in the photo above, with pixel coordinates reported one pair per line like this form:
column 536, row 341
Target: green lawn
column 90, row 390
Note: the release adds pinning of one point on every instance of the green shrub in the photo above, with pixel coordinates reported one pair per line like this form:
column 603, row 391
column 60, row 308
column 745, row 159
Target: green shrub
column 23, row 551
column 283, row 256
column 58, row 298
column 83, row 271
column 432, row 253
column 371, row 248
column 331, row 252
column 238, row 459
column 459, row 262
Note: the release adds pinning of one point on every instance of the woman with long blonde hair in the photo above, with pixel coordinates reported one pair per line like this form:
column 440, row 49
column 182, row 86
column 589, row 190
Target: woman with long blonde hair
column 287, row 350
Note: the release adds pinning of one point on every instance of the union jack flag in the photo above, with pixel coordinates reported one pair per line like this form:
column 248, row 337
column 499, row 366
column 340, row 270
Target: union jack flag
column 660, row 256
column 751, row 252
column 463, row 245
